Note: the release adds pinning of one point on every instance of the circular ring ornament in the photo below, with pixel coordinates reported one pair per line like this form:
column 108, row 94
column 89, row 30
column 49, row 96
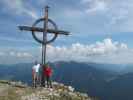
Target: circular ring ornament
column 39, row 40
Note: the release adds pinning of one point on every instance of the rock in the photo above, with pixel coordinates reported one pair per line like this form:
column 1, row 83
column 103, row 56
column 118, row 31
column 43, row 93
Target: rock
column 58, row 92
column 71, row 89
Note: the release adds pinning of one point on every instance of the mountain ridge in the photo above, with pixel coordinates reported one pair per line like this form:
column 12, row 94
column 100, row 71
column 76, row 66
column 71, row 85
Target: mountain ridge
column 83, row 77
column 10, row 90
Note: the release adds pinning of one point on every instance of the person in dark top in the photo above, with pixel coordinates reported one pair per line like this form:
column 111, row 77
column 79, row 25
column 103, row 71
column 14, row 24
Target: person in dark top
column 48, row 74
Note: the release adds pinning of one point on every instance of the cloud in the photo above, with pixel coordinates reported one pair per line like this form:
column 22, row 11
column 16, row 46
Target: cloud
column 98, row 52
column 14, row 40
column 2, row 53
column 95, row 5
column 20, row 54
column 117, row 15
column 106, row 51
column 10, row 56
column 18, row 7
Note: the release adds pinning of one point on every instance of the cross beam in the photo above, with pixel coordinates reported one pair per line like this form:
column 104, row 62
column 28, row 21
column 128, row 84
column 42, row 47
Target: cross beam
column 45, row 30
column 38, row 29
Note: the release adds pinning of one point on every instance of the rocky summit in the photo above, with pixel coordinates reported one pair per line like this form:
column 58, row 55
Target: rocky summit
column 18, row 91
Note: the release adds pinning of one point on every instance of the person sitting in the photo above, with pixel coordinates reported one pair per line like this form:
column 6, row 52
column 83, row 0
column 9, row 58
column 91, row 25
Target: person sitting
column 48, row 74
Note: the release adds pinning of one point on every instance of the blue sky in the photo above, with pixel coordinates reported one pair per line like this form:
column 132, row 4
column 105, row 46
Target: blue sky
column 88, row 21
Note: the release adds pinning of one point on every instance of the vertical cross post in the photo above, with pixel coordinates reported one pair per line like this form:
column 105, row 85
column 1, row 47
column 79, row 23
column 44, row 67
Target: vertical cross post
column 45, row 30
column 44, row 46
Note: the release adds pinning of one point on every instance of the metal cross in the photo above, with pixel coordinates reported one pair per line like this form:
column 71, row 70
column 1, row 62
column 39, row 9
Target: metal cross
column 45, row 30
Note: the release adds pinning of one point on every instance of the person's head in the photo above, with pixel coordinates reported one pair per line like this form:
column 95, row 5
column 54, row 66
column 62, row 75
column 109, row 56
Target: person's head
column 36, row 62
column 46, row 65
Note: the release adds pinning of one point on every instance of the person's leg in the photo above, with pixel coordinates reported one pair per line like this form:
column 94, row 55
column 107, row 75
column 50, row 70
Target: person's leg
column 40, row 80
column 47, row 78
column 37, row 78
column 40, row 76
column 34, row 79
column 43, row 79
column 50, row 82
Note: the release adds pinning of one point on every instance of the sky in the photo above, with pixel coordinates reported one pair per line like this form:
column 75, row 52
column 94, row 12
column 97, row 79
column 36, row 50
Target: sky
column 101, row 31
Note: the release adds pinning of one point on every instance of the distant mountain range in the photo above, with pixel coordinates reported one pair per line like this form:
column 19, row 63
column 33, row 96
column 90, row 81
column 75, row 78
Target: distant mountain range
column 105, row 81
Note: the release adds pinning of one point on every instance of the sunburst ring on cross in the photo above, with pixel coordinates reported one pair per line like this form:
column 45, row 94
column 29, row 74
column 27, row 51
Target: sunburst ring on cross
column 40, row 25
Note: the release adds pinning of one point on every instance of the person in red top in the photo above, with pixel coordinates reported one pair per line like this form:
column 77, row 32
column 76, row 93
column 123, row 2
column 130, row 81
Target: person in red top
column 48, row 74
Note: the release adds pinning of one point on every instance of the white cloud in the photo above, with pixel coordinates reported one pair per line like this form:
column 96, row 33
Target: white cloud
column 18, row 7
column 71, row 13
column 95, row 5
column 2, row 53
column 24, row 54
column 31, row 13
column 118, row 14
column 98, row 52
column 9, row 39
column 11, row 56
column 12, row 53
column 106, row 51
column 20, row 54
